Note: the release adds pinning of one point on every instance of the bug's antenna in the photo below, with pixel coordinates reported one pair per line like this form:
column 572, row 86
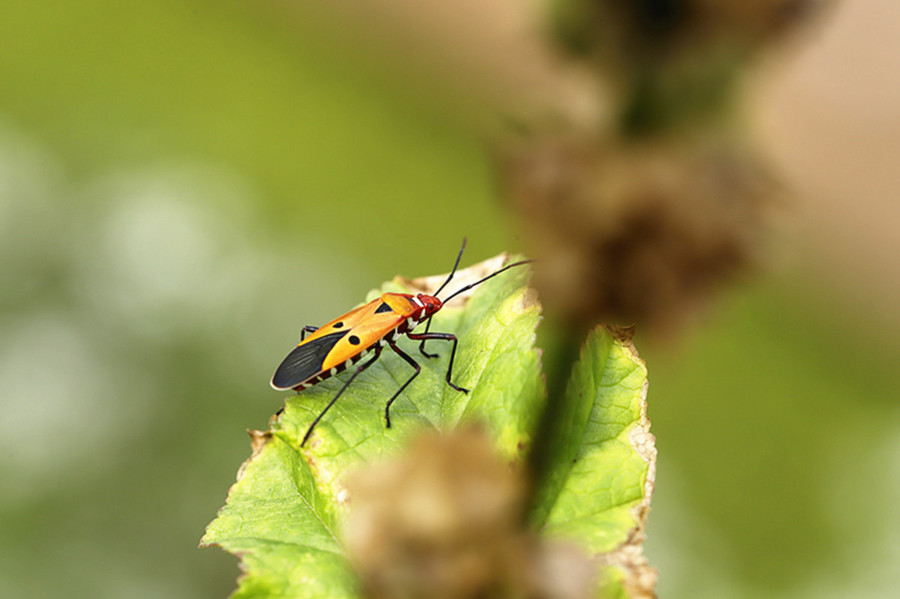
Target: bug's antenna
column 452, row 272
column 493, row 274
column 458, row 291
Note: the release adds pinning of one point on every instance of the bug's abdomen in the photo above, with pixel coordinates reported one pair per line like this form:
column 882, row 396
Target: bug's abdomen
column 305, row 361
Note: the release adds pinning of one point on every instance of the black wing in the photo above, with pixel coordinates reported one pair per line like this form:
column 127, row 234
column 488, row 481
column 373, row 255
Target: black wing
column 304, row 362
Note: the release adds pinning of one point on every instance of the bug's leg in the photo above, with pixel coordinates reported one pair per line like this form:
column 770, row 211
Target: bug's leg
column 359, row 369
column 422, row 345
column 446, row 337
column 307, row 329
column 411, row 362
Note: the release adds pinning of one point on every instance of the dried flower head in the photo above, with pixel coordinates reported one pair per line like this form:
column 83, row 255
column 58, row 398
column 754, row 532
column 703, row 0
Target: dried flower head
column 638, row 233
column 445, row 521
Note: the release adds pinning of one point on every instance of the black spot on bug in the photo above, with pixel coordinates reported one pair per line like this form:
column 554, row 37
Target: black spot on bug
column 383, row 308
column 353, row 339
column 338, row 325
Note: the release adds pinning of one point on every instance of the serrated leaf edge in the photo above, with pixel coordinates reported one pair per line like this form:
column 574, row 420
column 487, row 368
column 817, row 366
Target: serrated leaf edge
column 639, row 578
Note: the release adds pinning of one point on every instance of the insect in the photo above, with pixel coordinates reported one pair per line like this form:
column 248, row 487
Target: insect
column 333, row 347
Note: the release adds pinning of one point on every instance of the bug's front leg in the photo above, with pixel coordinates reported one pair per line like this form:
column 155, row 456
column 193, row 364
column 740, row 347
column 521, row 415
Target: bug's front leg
column 446, row 337
column 422, row 344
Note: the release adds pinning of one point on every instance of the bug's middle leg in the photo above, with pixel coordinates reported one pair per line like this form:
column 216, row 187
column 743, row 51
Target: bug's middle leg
column 411, row 362
column 446, row 337
column 359, row 369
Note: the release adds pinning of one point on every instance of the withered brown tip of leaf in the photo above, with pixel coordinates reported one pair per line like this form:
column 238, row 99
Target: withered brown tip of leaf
column 623, row 334
column 258, row 440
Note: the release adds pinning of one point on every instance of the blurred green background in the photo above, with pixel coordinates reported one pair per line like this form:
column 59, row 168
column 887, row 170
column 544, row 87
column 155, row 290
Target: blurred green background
column 184, row 184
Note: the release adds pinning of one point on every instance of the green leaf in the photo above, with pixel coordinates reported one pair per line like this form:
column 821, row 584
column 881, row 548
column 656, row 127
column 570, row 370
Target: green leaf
column 602, row 460
column 283, row 528
column 282, row 516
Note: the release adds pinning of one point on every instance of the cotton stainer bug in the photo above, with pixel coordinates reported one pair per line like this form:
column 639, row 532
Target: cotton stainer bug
column 331, row 348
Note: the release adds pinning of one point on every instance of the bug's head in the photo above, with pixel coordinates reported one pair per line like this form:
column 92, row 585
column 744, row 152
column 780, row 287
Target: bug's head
column 431, row 303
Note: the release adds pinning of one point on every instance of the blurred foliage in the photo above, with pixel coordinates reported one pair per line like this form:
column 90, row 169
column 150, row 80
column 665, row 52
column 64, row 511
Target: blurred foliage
column 784, row 435
column 184, row 184
column 243, row 87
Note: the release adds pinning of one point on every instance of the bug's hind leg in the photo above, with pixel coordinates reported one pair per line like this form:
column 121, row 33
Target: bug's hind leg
column 359, row 369
column 411, row 362
column 446, row 337
column 307, row 329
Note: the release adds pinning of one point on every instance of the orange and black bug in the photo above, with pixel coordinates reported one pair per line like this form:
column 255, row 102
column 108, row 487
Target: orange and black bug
column 331, row 348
